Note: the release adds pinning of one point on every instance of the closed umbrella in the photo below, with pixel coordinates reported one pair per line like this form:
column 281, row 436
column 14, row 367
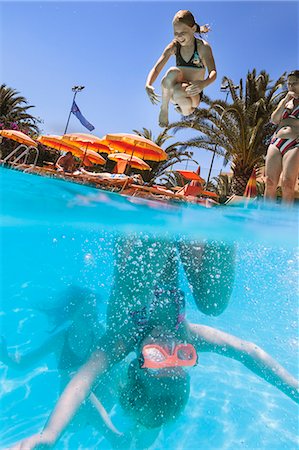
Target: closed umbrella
column 251, row 188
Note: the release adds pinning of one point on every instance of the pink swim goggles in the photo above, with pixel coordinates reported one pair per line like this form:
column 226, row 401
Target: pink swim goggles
column 157, row 357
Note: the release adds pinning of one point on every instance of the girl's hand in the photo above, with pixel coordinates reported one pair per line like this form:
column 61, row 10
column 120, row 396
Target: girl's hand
column 290, row 95
column 39, row 441
column 154, row 98
column 195, row 88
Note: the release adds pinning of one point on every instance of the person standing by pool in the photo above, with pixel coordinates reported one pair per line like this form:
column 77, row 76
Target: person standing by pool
column 154, row 327
column 183, row 85
column 283, row 153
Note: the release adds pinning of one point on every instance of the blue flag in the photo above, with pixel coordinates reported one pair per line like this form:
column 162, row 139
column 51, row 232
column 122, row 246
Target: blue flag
column 76, row 111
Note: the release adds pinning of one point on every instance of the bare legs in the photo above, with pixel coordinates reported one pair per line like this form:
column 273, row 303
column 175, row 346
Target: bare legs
column 210, row 270
column 290, row 174
column 273, row 171
column 173, row 88
column 288, row 165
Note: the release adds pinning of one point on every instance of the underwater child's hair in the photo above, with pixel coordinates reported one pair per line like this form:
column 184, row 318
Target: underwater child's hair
column 154, row 401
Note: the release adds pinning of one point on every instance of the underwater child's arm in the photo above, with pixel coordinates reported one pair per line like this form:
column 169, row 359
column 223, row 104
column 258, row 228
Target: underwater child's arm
column 155, row 71
column 103, row 414
column 78, row 390
column 21, row 362
column 250, row 355
column 68, row 404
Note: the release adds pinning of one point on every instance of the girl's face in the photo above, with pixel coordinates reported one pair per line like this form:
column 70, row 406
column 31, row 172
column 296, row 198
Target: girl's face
column 168, row 341
column 293, row 85
column 183, row 34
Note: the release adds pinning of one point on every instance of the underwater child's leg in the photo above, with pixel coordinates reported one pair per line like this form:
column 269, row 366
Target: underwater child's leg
column 210, row 270
column 139, row 262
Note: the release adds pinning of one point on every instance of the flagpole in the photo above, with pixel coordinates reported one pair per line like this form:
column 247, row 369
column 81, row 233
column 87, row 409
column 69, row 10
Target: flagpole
column 75, row 89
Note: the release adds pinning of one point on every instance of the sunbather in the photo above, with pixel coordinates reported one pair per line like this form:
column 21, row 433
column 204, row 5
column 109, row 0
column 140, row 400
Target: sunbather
column 66, row 163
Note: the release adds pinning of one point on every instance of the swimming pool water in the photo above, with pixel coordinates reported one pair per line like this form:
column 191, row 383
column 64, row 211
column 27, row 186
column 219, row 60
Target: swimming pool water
column 55, row 234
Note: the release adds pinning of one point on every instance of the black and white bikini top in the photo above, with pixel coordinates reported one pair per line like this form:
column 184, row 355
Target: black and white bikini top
column 195, row 61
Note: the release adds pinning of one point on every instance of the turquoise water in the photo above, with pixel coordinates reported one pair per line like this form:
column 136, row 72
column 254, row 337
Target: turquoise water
column 56, row 234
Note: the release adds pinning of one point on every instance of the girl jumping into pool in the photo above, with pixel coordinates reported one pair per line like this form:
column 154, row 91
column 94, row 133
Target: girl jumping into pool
column 183, row 85
column 283, row 152
column 152, row 324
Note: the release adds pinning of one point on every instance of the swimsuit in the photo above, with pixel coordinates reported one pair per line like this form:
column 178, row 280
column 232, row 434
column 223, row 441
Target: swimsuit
column 294, row 114
column 177, row 296
column 195, row 60
column 142, row 317
column 69, row 359
column 283, row 144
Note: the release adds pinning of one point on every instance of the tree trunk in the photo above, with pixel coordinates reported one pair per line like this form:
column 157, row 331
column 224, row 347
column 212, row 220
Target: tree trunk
column 239, row 183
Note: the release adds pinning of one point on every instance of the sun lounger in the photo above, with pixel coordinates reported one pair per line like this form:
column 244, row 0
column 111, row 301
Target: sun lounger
column 239, row 200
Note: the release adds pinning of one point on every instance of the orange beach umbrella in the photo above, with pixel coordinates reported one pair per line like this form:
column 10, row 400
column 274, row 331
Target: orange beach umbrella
column 133, row 144
column 251, row 189
column 58, row 143
column 132, row 161
column 19, row 137
column 191, row 176
column 87, row 141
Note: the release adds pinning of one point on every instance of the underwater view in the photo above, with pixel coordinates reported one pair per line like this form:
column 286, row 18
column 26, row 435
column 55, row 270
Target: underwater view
column 149, row 161
column 70, row 251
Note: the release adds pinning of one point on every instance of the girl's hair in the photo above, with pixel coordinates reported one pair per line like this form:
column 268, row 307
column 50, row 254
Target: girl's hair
column 153, row 401
column 67, row 303
column 294, row 73
column 186, row 17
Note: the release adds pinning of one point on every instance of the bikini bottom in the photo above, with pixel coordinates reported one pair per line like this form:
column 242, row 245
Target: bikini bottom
column 284, row 145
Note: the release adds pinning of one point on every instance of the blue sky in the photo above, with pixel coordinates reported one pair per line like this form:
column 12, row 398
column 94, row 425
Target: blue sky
column 109, row 47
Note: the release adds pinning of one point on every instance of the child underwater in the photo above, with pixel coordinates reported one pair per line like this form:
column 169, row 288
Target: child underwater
column 149, row 320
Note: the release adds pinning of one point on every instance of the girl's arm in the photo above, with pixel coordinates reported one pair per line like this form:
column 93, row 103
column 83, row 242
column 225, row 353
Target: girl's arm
column 253, row 357
column 207, row 55
column 28, row 359
column 78, row 390
column 209, row 61
column 68, row 404
column 103, row 414
column 155, row 71
column 277, row 113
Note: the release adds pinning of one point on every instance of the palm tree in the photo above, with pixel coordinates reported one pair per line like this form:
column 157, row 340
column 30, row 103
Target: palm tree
column 240, row 130
column 222, row 185
column 174, row 151
column 171, row 180
column 14, row 112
